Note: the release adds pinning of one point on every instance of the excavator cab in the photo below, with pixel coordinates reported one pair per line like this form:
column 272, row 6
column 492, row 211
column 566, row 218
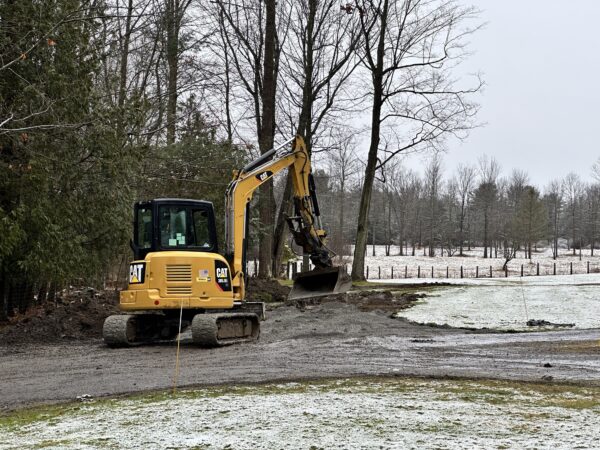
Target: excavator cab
column 168, row 224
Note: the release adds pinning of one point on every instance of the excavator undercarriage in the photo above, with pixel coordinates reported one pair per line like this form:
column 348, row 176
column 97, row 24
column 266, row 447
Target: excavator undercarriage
column 208, row 329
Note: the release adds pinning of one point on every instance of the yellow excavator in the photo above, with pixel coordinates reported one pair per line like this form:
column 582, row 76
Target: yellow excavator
column 179, row 279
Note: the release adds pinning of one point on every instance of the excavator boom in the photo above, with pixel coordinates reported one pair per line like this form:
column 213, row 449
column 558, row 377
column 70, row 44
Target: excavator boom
column 305, row 224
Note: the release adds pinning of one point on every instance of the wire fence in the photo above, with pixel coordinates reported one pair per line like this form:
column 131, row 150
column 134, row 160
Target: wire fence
column 391, row 272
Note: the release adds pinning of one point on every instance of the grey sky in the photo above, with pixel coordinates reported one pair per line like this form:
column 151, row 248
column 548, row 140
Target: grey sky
column 541, row 65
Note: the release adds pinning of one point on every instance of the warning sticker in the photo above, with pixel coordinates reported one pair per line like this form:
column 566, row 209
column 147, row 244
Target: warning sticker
column 203, row 275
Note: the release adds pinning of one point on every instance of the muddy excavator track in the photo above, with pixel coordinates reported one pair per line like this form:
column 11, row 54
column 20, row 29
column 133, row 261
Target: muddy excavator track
column 208, row 329
column 123, row 330
column 217, row 330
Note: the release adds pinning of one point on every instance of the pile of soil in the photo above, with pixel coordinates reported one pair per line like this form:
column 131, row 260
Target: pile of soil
column 78, row 313
column 386, row 301
column 259, row 290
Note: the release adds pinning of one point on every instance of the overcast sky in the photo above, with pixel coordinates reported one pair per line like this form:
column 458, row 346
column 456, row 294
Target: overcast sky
column 541, row 64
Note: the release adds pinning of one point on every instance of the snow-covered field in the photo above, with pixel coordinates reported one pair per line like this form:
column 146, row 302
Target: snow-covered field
column 348, row 414
column 475, row 259
column 508, row 303
column 473, row 264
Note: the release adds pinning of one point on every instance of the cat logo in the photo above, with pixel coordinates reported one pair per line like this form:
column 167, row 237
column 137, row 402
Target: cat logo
column 136, row 273
column 222, row 276
column 264, row 175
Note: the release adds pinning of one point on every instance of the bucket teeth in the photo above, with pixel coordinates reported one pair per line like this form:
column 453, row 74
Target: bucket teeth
column 320, row 283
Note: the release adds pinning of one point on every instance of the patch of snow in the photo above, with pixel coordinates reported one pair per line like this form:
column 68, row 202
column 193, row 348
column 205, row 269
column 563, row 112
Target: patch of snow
column 382, row 413
column 507, row 304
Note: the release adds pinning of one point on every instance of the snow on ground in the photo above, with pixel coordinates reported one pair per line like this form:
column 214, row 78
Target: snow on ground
column 450, row 265
column 348, row 414
column 508, row 303
column 472, row 260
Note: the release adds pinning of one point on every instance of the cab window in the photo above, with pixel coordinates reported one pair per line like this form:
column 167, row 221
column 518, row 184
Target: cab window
column 173, row 226
column 201, row 228
column 144, row 228
column 184, row 227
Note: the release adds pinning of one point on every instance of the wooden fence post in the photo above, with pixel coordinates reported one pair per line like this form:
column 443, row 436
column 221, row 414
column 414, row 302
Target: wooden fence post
column 418, row 271
column 521, row 269
column 554, row 271
column 491, row 273
column 431, row 271
column 571, row 267
column 588, row 267
column 538, row 269
column 476, row 271
column 405, row 271
column 461, row 271
column 392, row 277
column 506, row 271
column 379, row 268
column 367, row 273
column 447, row 272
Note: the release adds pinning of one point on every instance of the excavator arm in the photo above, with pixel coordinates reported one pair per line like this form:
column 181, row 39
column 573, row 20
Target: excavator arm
column 305, row 225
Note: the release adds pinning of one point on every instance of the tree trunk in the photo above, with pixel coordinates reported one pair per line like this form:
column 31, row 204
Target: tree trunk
column 172, row 65
column 281, row 229
column 266, row 139
column 461, row 228
column 304, row 129
column 123, row 70
column 485, row 234
column 358, row 264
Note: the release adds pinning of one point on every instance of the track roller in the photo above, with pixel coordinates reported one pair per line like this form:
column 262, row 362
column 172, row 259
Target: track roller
column 216, row 330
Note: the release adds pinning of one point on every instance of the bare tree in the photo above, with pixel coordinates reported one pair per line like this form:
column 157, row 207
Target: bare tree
column 255, row 49
column 572, row 188
column 593, row 206
column 343, row 166
column 596, row 170
column 486, row 196
column 554, row 203
column 464, row 181
column 316, row 64
column 433, row 178
column 408, row 50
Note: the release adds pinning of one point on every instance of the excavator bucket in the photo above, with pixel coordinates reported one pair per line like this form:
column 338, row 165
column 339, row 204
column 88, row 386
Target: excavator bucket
column 320, row 283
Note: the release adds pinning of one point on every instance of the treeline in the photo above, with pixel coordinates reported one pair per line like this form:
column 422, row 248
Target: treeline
column 444, row 214
column 105, row 102
column 91, row 121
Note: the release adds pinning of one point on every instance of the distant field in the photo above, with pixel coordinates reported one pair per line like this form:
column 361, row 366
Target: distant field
column 473, row 264
column 451, row 265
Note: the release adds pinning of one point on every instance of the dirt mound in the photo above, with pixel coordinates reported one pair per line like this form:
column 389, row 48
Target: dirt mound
column 78, row 313
column 385, row 301
column 260, row 290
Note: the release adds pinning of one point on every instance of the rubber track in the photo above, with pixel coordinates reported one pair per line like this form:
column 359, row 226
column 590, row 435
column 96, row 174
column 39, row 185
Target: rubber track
column 205, row 329
column 114, row 331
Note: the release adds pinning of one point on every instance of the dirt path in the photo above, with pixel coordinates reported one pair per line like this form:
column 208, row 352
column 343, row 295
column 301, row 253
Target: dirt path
column 329, row 340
